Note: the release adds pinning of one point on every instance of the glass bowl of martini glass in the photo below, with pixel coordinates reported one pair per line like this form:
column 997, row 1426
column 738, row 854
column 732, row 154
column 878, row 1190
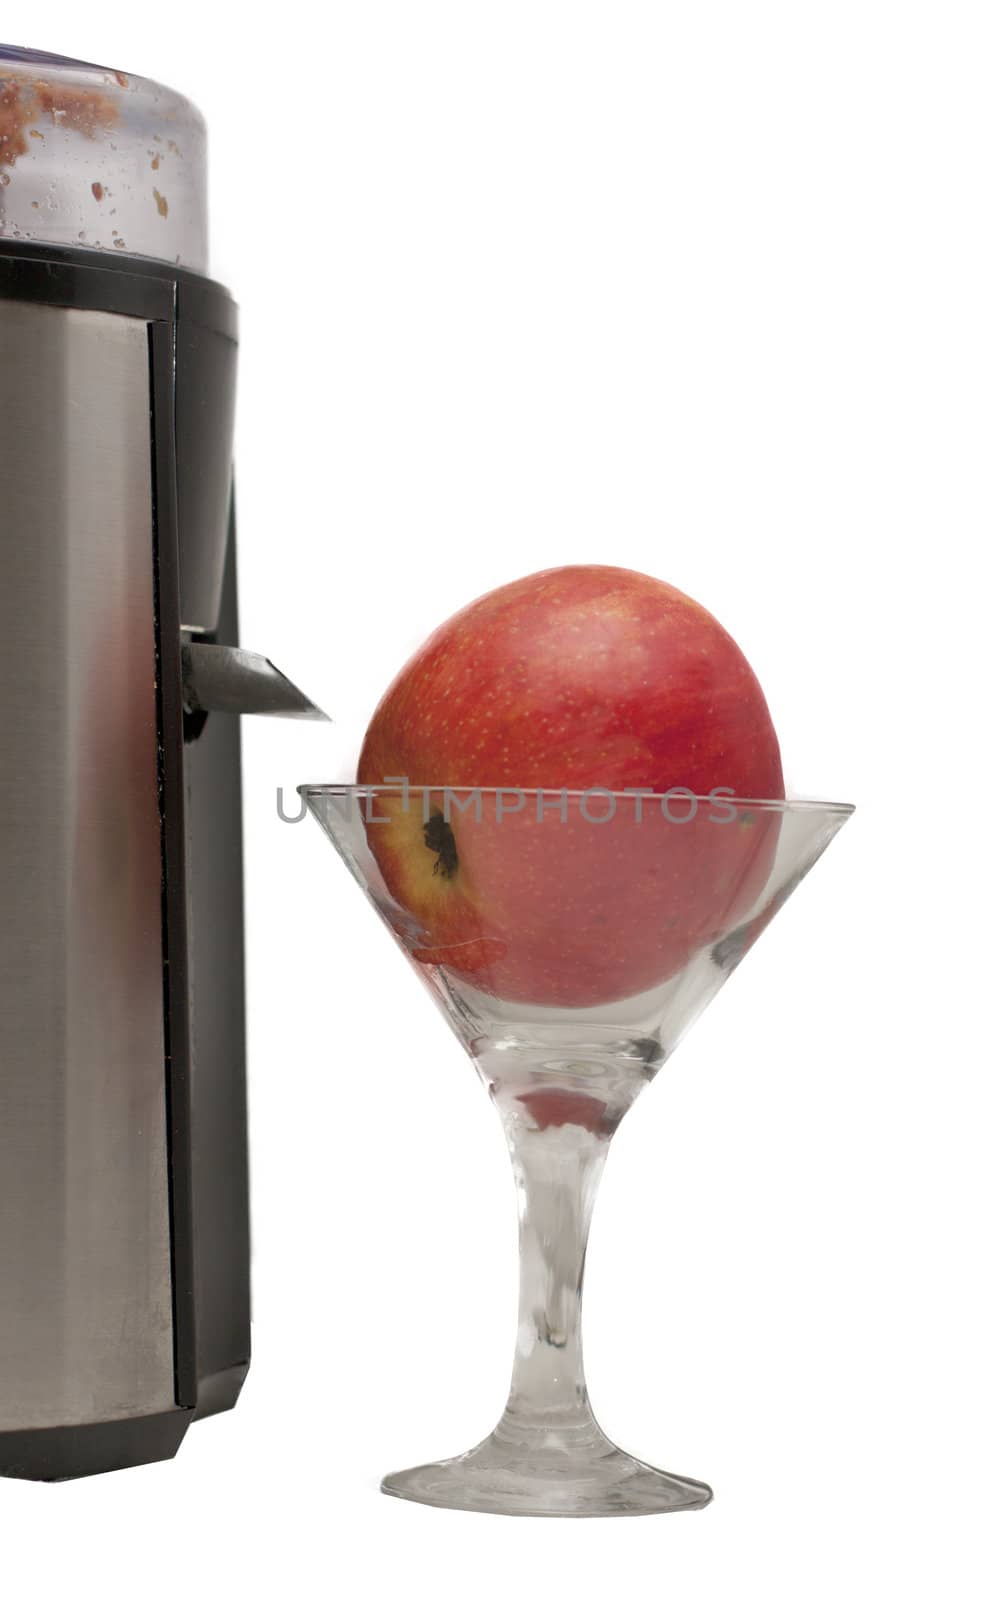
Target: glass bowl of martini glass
column 570, row 939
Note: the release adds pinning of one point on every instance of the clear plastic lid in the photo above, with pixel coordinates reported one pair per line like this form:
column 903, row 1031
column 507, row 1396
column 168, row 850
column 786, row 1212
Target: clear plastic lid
column 96, row 159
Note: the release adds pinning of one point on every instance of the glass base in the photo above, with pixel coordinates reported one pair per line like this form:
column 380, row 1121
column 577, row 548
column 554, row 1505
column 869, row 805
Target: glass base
column 593, row 1478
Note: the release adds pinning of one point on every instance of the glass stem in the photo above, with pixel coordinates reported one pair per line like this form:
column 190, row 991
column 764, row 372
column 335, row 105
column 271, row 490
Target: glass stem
column 557, row 1172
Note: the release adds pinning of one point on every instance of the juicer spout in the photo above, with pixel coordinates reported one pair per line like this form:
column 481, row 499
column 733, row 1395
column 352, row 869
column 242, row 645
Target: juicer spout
column 218, row 677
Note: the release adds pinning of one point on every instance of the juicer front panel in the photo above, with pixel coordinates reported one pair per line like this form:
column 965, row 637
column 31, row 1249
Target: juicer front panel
column 86, row 1317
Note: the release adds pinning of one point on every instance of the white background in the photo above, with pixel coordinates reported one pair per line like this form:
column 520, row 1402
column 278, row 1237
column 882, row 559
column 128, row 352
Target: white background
column 714, row 291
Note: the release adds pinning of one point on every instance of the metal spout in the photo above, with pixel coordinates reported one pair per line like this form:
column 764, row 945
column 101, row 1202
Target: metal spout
column 219, row 677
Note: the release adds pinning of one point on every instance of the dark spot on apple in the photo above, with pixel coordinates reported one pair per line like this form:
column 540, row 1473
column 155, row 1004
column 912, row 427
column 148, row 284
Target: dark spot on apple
column 439, row 837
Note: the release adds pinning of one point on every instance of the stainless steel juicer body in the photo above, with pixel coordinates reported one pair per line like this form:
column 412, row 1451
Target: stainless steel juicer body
column 86, row 1324
column 124, row 1300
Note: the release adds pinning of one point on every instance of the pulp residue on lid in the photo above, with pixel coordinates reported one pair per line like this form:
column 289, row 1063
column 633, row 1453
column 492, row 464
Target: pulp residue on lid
column 24, row 105
column 79, row 146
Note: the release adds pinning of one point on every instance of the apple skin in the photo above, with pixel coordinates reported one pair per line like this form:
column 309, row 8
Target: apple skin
column 575, row 678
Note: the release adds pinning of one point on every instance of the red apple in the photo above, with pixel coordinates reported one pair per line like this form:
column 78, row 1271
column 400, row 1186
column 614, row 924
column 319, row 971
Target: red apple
column 573, row 679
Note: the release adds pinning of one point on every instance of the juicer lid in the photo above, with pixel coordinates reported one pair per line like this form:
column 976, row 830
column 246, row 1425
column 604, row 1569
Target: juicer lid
column 98, row 159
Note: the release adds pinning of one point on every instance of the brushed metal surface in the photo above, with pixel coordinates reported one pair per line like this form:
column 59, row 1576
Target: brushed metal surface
column 85, row 1286
column 223, row 677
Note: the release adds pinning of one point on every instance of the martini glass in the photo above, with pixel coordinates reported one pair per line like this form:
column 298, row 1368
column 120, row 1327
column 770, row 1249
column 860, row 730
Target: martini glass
column 570, row 940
